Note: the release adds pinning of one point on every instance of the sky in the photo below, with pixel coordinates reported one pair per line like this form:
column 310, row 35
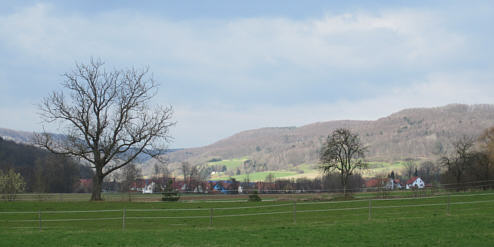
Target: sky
column 229, row 66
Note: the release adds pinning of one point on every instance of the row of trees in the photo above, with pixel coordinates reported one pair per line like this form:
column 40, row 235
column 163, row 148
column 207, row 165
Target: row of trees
column 471, row 160
column 42, row 171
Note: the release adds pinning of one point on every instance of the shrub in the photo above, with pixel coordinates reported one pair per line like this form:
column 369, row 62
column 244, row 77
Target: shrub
column 170, row 194
column 254, row 197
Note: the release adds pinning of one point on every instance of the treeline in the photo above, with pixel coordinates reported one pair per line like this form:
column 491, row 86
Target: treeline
column 42, row 171
column 471, row 160
column 328, row 182
column 470, row 164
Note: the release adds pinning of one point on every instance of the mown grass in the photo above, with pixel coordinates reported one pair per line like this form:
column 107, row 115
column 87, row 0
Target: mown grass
column 438, row 231
column 404, row 222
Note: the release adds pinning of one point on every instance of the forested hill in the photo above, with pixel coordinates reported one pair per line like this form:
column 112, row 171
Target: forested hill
column 16, row 136
column 422, row 133
column 42, row 170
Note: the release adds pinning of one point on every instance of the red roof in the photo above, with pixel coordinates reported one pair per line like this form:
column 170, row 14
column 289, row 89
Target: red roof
column 86, row 181
column 372, row 183
column 411, row 180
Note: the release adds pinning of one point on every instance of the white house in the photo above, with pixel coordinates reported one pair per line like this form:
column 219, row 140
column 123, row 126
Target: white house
column 393, row 184
column 415, row 182
column 148, row 189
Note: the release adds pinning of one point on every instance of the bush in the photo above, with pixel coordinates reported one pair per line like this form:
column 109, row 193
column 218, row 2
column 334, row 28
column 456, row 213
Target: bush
column 254, row 197
column 11, row 183
column 170, row 196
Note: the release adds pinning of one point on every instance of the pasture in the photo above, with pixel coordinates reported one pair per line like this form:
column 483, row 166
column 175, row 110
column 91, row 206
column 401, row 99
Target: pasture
column 459, row 219
column 259, row 176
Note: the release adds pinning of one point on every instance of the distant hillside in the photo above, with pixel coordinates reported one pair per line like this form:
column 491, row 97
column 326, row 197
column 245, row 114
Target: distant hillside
column 42, row 170
column 16, row 135
column 420, row 133
column 23, row 137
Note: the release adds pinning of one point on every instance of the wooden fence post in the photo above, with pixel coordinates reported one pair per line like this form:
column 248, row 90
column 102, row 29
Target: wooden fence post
column 211, row 217
column 447, row 207
column 370, row 209
column 39, row 219
column 294, row 212
column 123, row 219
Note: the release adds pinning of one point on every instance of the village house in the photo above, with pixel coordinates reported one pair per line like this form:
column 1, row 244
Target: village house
column 393, row 184
column 415, row 182
column 383, row 183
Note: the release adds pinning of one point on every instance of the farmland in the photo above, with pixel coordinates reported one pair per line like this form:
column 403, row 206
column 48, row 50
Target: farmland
column 259, row 176
column 229, row 164
column 301, row 171
column 449, row 220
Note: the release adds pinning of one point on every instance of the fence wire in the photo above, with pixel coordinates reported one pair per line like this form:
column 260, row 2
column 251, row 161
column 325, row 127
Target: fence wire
column 213, row 212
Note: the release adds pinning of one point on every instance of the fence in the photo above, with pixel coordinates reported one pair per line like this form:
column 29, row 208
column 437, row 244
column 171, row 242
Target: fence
column 272, row 213
column 362, row 192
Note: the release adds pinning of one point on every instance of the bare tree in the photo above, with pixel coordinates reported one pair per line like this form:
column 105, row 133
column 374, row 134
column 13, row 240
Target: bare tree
column 269, row 178
column 107, row 119
column 129, row 176
column 342, row 152
column 410, row 167
column 429, row 172
column 186, row 170
column 461, row 160
column 160, row 176
column 487, row 146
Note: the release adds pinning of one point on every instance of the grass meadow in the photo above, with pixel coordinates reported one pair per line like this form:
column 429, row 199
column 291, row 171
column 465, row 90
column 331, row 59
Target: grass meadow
column 465, row 219
column 310, row 171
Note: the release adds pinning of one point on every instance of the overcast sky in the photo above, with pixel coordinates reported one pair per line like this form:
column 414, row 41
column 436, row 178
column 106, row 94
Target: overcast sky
column 228, row 66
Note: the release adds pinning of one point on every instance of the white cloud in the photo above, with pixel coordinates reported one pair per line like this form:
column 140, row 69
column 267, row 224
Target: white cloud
column 257, row 56
column 206, row 125
column 354, row 40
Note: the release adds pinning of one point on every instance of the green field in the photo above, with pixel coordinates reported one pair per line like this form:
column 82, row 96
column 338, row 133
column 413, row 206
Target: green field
column 396, row 222
column 310, row 171
column 229, row 164
column 259, row 176
column 382, row 168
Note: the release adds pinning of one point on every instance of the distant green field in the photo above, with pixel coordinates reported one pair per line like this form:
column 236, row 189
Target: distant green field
column 309, row 170
column 381, row 168
column 259, row 176
column 229, row 164
column 375, row 168
column 398, row 222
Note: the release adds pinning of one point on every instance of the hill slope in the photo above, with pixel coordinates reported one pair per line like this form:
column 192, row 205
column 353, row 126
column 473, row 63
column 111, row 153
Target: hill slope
column 421, row 133
column 41, row 170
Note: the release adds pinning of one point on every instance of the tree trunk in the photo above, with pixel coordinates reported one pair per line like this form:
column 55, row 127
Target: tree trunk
column 458, row 183
column 344, row 189
column 344, row 182
column 97, row 182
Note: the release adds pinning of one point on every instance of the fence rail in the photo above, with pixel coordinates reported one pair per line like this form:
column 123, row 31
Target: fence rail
column 189, row 195
column 375, row 208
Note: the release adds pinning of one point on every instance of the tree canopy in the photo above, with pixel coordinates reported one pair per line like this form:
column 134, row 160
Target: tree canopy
column 107, row 118
column 342, row 152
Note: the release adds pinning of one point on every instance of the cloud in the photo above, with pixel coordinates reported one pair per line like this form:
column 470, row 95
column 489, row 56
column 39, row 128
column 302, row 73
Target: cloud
column 227, row 75
column 237, row 46
column 208, row 124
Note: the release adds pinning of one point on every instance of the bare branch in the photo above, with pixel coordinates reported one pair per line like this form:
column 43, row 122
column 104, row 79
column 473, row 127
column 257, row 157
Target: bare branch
column 342, row 152
column 106, row 118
